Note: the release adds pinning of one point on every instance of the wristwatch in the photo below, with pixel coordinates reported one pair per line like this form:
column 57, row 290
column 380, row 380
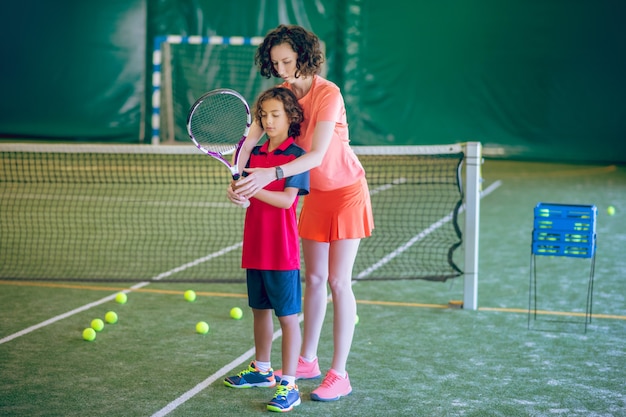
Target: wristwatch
column 279, row 173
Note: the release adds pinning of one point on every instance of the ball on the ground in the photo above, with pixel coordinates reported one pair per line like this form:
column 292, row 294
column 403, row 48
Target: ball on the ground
column 110, row 317
column 236, row 313
column 89, row 334
column 97, row 325
column 202, row 327
column 190, row 295
column 356, row 320
column 121, row 298
column 610, row 210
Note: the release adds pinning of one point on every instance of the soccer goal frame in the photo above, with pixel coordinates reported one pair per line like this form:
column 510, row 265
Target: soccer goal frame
column 161, row 80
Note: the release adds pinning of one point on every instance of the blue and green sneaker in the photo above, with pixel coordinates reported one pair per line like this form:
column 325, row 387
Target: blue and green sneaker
column 286, row 398
column 251, row 377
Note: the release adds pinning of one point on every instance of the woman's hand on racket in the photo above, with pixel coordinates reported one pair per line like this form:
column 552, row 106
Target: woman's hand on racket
column 256, row 180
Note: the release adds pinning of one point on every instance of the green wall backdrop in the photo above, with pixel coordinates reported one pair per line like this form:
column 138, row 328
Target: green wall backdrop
column 72, row 69
column 530, row 79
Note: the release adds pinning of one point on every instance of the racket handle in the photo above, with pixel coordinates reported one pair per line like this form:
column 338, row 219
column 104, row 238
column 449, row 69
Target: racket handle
column 247, row 203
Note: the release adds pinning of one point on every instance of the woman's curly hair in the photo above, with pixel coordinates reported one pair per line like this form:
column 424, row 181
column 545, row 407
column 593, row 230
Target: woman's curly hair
column 306, row 44
column 290, row 102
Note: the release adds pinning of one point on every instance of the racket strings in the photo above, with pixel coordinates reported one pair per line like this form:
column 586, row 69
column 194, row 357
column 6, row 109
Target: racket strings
column 219, row 122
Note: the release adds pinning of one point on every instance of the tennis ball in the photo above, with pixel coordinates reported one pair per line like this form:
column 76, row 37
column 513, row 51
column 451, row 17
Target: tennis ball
column 89, row 334
column 190, row 295
column 110, row 317
column 356, row 320
column 202, row 327
column 121, row 298
column 610, row 210
column 236, row 313
column 97, row 325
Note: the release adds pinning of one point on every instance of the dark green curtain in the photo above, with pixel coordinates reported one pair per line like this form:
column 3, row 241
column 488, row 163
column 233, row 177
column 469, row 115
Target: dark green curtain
column 72, row 69
column 539, row 79
column 530, row 79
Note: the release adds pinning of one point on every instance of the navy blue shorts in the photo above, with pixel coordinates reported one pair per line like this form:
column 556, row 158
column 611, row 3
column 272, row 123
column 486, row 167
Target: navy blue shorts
column 278, row 290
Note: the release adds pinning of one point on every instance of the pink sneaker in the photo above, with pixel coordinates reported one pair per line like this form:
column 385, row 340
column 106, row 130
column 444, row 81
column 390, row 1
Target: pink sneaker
column 332, row 388
column 305, row 370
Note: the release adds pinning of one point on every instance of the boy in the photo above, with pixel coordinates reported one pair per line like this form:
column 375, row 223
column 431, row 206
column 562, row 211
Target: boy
column 271, row 250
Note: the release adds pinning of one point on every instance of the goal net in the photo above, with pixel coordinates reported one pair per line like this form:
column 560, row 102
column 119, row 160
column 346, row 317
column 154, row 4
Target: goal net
column 185, row 67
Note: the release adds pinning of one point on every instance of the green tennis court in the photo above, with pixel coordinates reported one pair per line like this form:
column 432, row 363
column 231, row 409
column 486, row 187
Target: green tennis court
column 101, row 191
column 411, row 354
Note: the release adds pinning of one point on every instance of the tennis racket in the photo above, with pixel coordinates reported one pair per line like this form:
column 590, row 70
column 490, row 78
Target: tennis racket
column 218, row 124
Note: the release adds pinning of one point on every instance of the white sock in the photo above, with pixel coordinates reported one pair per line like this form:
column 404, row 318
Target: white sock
column 263, row 366
column 291, row 380
column 309, row 360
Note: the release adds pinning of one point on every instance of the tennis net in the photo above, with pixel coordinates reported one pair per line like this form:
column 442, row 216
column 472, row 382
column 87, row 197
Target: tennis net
column 160, row 213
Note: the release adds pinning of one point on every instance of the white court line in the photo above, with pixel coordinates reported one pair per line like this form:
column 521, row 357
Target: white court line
column 66, row 315
column 198, row 261
column 227, row 368
column 211, row 379
column 384, row 260
column 112, row 296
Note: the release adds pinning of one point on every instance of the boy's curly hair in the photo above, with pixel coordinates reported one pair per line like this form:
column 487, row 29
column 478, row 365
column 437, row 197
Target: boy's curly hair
column 290, row 102
column 306, row 44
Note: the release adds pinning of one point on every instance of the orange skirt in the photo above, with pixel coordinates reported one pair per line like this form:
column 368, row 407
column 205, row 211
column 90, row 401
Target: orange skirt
column 345, row 213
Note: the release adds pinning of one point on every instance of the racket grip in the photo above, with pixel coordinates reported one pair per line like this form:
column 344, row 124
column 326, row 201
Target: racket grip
column 247, row 203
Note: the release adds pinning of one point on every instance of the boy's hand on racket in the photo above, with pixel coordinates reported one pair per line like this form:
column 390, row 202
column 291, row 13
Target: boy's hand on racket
column 256, row 180
column 236, row 198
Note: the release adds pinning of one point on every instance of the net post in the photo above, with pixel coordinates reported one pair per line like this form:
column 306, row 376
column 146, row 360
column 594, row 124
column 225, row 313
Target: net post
column 473, row 161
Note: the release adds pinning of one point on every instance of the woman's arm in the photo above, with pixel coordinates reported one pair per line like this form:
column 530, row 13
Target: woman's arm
column 254, row 135
column 258, row 178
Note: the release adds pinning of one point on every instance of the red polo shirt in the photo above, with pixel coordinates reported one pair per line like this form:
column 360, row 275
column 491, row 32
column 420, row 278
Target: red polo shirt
column 270, row 237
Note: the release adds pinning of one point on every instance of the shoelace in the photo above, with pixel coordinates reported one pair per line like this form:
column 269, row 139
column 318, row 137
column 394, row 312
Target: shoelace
column 306, row 366
column 330, row 380
column 282, row 391
column 247, row 371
